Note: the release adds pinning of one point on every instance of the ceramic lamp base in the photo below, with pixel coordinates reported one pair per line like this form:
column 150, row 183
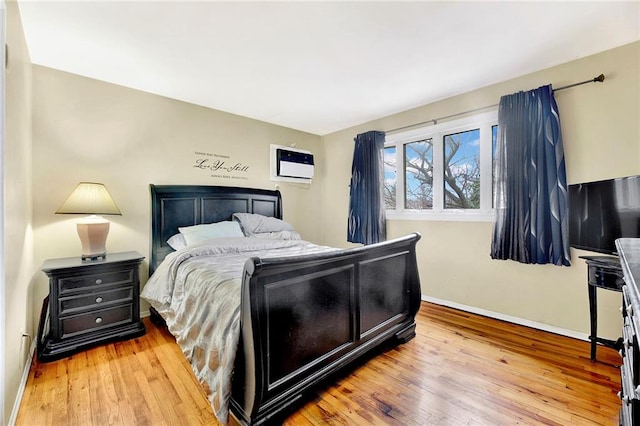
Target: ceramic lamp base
column 93, row 233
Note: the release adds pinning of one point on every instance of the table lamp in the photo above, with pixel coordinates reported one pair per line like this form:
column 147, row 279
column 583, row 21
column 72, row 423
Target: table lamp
column 93, row 199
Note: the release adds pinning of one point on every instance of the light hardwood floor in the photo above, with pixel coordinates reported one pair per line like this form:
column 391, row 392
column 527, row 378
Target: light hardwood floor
column 460, row 369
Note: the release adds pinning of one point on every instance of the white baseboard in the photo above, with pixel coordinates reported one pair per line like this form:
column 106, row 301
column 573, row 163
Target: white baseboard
column 508, row 318
column 23, row 385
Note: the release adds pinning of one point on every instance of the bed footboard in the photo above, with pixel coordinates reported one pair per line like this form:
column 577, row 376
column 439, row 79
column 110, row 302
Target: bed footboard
column 303, row 319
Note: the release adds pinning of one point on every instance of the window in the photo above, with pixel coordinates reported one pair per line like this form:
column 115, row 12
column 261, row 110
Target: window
column 442, row 172
column 462, row 170
column 418, row 172
column 390, row 177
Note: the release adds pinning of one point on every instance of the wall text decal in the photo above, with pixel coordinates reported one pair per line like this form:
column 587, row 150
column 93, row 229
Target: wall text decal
column 220, row 165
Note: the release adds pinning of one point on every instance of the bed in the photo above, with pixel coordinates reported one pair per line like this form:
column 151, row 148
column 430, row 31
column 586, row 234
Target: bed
column 302, row 318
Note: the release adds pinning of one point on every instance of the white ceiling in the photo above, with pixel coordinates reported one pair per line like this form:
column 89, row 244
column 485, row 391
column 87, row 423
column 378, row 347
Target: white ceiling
column 318, row 66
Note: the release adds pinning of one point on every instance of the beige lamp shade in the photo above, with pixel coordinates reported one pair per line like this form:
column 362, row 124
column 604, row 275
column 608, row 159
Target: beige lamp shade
column 89, row 198
column 94, row 199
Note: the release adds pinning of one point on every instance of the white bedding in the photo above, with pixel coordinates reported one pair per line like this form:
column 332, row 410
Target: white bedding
column 197, row 292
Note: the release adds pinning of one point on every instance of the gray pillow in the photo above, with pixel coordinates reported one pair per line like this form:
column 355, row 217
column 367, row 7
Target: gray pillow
column 252, row 223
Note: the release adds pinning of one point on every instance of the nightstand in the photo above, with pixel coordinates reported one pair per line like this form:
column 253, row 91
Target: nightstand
column 90, row 302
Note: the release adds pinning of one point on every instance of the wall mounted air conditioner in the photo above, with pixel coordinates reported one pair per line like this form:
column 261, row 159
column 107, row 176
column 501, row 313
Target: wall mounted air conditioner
column 290, row 164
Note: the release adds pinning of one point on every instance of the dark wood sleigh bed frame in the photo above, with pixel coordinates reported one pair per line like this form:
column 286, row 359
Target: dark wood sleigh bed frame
column 302, row 318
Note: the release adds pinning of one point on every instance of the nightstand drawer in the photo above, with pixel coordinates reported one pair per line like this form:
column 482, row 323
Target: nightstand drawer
column 606, row 278
column 95, row 300
column 104, row 278
column 96, row 320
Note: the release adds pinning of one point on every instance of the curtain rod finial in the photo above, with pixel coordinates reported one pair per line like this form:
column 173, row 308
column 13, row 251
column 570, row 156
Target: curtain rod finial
column 599, row 78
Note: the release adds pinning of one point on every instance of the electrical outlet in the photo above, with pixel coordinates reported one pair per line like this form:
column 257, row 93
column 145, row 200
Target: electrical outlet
column 25, row 349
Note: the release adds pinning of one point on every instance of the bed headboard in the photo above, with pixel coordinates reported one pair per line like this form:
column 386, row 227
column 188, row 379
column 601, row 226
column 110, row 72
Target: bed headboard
column 173, row 206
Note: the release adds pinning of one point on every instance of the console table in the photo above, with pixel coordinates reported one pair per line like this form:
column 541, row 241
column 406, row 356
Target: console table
column 603, row 272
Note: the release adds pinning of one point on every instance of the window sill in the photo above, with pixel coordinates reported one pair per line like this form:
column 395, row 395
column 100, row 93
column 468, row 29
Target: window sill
column 442, row 216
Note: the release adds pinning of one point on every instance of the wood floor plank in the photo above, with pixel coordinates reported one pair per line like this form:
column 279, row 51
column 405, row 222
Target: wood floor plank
column 461, row 368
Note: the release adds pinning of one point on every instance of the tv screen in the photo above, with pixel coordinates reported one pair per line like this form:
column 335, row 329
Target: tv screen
column 602, row 211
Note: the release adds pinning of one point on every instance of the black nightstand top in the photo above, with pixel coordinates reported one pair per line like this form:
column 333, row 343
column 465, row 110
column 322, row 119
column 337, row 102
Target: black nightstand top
column 77, row 262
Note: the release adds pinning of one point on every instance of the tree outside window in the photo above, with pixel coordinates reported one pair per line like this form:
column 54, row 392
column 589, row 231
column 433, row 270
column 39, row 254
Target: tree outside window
column 418, row 171
column 390, row 180
column 462, row 170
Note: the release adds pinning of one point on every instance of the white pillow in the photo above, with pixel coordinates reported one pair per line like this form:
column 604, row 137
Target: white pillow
column 198, row 233
column 256, row 223
column 177, row 241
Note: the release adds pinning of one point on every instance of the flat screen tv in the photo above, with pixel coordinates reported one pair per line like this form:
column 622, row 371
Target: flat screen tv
column 602, row 211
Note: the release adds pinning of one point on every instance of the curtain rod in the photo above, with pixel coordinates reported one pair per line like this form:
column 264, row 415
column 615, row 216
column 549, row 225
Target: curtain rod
column 599, row 78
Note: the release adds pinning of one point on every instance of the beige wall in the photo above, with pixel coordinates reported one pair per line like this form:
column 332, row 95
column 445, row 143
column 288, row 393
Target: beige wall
column 601, row 132
column 18, row 243
column 86, row 130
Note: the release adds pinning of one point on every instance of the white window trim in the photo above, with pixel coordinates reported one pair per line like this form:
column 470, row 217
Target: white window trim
column 436, row 132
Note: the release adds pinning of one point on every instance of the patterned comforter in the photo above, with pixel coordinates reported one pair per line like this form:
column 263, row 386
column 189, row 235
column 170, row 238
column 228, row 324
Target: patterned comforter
column 197, row 292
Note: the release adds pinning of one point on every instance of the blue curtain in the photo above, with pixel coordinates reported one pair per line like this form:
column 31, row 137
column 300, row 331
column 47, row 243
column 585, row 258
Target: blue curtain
column 367, row 221
column 531, row 223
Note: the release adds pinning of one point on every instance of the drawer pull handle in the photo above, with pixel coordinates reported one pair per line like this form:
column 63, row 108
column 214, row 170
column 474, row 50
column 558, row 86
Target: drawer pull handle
column 98, row 299
column 98, row 320
column 99, row 281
